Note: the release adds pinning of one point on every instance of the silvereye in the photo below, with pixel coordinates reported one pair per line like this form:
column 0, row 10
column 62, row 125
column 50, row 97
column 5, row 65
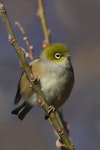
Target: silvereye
column 54, row 70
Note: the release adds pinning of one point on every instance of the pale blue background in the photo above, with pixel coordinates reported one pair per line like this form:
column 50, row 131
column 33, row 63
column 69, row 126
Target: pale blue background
column 77, row 24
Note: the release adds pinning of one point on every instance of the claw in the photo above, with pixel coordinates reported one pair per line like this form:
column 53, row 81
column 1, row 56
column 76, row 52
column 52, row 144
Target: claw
column 36, row 80
column 50, row 110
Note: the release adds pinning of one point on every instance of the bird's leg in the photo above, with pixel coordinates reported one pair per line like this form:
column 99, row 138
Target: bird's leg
column 36, row 80
column 50, row 110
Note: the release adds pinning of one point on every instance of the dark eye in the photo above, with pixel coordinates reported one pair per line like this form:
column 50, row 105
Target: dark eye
column 57, row 55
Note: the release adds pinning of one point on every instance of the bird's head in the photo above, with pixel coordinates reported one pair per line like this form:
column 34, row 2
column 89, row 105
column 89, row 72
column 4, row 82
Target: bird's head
column 57, row 53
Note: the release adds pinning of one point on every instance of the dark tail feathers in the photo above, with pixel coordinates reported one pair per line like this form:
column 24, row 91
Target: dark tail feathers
column 22, row 110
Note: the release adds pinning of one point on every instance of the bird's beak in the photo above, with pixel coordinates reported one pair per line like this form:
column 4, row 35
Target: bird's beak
column 68, row 55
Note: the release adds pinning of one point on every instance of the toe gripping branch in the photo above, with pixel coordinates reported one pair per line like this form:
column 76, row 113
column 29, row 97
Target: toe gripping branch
column 50, row 110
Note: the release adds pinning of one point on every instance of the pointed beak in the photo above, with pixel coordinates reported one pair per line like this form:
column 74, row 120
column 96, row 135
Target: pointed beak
column 68, row 55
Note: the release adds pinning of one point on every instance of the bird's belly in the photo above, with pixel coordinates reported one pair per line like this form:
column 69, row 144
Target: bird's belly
column 54, row 90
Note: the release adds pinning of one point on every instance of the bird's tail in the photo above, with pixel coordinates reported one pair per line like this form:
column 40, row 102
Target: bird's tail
column 22, row 110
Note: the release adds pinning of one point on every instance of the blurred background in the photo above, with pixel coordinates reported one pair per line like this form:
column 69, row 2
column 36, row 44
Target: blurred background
column 77, row 24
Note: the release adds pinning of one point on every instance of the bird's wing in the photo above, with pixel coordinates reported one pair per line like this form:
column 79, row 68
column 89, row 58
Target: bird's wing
column 24, row 85
column 18, row 95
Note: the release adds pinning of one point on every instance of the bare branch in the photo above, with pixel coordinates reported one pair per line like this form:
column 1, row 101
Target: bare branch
column 46, row 31
column 25, row 38
column 13, row 41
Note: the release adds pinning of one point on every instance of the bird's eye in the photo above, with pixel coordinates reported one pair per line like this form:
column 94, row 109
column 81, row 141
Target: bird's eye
column 57, row 55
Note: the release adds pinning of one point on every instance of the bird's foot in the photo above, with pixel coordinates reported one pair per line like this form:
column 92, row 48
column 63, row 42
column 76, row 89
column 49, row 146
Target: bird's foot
column 50, row 110
column 36, row 80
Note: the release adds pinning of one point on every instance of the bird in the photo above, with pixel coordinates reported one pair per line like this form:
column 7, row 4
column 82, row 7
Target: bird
column 55, row 73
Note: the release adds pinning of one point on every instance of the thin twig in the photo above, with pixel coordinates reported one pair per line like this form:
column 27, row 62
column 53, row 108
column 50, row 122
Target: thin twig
column 46, row 31
column 42, row 101
column 25, row 38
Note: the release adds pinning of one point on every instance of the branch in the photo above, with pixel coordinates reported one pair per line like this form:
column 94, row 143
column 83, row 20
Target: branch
column 54, row 117
column 26, row 40
column 46, row 31
column 13, row 41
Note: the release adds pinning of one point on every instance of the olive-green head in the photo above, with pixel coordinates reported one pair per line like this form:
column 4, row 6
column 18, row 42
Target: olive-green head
column 56, row 52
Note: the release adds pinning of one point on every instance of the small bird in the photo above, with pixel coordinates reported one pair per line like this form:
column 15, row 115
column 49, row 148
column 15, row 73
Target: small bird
column 55, row 73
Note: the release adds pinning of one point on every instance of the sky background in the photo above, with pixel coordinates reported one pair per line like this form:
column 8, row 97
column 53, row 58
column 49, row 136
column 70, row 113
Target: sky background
column 77, row 24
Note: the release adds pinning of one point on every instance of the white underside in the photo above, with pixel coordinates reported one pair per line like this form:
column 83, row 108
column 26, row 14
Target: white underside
column 52, row 84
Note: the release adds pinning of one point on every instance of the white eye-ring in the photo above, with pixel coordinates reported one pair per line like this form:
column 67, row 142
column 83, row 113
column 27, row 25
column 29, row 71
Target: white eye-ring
column 57, row 55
